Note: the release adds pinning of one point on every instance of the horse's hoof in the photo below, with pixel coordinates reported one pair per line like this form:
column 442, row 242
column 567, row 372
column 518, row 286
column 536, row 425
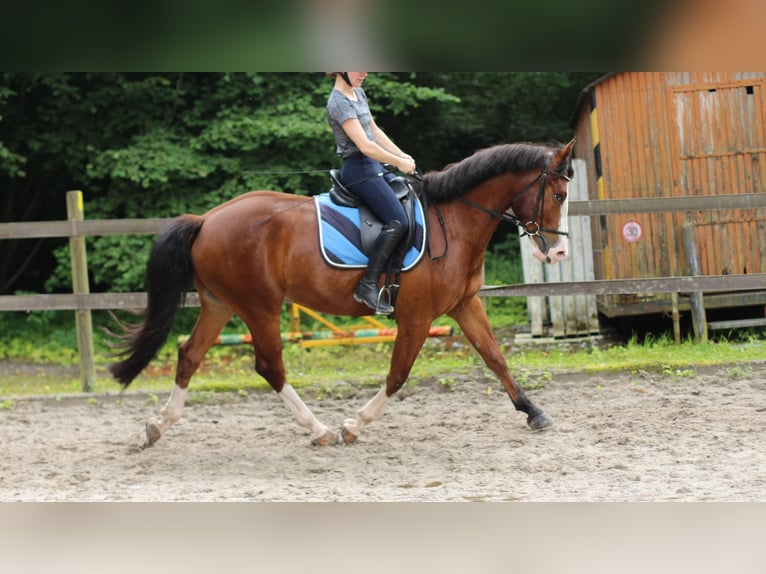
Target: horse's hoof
column 153, row 434
column 327, row 439
column 540, row 422
column 348, row 436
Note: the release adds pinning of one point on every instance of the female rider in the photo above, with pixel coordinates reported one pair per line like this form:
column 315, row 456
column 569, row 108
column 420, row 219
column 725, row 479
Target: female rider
column 363, row 147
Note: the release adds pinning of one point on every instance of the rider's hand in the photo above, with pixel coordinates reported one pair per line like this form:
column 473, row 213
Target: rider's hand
column 406, row 165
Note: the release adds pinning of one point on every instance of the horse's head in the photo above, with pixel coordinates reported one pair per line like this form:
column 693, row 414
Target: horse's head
column 542, row 209
column 529, row 182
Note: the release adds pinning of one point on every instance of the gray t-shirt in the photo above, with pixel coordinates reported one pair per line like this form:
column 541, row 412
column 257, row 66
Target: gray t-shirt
column 340, row 109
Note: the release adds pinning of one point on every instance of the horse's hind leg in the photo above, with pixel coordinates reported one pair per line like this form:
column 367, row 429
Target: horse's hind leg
column 472, row 319
column 267, row 345
column 212, row 318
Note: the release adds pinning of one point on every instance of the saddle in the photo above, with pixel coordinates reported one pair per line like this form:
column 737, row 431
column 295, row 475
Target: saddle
column 371, row 225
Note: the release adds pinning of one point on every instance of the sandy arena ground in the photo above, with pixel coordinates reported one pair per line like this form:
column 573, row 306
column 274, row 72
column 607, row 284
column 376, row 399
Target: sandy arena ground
column 617, row 437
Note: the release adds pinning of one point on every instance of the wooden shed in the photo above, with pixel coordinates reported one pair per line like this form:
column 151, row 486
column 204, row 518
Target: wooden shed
column 671, row 134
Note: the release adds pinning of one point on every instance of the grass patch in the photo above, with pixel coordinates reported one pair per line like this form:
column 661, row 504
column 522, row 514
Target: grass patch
column 333, row 370
column 38, row 356
column 660, row 355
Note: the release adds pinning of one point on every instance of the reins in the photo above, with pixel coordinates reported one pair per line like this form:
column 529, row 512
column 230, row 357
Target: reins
column 531, row 227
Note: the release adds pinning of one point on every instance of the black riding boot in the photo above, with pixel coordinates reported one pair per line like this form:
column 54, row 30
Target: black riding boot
column 367, row 290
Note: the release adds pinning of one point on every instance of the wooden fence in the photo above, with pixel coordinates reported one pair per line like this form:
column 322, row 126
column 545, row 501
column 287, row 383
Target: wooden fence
column 81, row 301
column 573, row 313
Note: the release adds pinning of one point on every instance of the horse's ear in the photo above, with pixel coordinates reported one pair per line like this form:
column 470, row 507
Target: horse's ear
column 564, row 153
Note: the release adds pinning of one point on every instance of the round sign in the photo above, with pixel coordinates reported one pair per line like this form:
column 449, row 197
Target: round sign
column 632, row 231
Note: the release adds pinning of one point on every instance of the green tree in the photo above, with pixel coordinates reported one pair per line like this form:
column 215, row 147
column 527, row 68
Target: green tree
column 156, row 145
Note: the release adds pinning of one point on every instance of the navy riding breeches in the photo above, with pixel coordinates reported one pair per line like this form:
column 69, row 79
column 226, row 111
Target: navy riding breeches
column 367, row 178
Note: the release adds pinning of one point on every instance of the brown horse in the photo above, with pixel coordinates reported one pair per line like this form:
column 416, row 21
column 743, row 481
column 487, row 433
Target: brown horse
column 249, row 255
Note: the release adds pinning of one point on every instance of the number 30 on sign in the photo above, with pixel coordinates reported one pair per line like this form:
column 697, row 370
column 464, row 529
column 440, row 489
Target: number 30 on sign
column 632, row 231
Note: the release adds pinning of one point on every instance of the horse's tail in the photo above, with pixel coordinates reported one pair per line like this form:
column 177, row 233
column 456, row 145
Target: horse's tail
column 169, row 273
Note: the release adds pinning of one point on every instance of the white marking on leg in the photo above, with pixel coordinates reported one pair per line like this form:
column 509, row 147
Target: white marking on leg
column 173, row 409
column 301, row 412
column 367, row 413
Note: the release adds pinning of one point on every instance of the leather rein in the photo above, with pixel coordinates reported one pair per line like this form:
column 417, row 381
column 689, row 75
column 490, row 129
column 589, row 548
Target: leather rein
column 531, row 227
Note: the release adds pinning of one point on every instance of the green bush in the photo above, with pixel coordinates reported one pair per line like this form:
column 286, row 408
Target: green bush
column 502, row 266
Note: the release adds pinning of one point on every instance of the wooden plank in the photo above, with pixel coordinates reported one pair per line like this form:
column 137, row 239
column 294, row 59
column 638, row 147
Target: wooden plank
column 557, row 312
column 122, row 226
column 582, row 309
column 533, row 273
column 665, row 204
column 697, row 299
column 737, row 323
column 39, row 229
column 676, row 315
column 752, row 282
column 137, row 301
column 712, row 301
column 71, row 302
column 559, row 305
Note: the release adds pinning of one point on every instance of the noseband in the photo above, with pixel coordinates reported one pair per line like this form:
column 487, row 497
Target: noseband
column 531, row 227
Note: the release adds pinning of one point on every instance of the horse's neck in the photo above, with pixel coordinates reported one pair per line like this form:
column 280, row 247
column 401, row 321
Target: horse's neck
column 477, row 225
column 497, row 194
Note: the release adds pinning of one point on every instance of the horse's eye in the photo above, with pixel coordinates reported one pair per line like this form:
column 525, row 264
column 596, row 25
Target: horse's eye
column 560, row 197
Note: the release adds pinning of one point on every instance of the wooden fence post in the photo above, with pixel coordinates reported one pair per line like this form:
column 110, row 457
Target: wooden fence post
column 80, row 286
column 699, row 320
column 676, row 317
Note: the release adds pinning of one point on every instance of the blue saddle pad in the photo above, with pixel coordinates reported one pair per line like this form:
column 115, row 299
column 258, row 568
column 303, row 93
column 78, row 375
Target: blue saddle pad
column 340, row 239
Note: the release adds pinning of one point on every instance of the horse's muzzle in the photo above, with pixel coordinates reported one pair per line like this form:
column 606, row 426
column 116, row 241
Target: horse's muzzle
column 557, row 253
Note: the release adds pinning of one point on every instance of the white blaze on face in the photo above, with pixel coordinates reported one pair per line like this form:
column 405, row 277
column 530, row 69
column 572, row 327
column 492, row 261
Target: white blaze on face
column 560, row 250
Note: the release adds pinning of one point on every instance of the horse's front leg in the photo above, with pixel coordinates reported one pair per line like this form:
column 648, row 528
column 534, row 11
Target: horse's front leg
column 472, row 319
column 409, row 341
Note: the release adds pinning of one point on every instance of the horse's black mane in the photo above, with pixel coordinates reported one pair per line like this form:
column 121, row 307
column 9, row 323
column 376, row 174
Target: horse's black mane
column 458, row 178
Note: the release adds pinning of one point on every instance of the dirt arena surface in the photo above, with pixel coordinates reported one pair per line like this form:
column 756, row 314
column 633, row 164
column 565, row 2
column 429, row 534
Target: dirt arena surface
column 617, row 437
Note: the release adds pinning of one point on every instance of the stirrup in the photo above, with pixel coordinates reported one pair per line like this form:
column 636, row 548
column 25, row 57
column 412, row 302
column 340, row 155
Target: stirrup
column 383, row 299
column 388, row 294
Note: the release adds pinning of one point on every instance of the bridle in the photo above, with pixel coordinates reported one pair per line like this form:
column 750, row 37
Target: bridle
column 531, row 227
